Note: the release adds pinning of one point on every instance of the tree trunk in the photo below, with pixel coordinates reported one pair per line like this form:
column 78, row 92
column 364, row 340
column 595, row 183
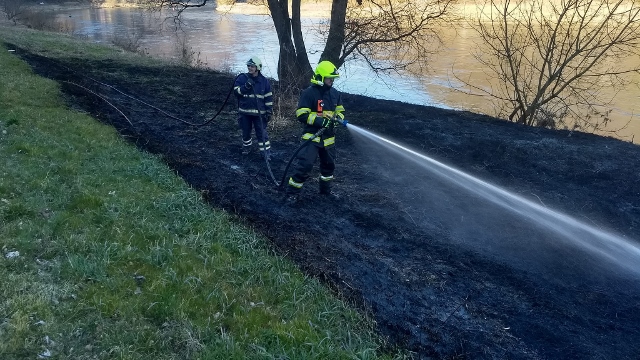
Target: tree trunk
column 294, row 69
column 302, row 59
column 335, row 39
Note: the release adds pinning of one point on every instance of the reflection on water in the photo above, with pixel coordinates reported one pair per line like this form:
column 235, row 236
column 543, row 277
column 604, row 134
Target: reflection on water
column 224, row 42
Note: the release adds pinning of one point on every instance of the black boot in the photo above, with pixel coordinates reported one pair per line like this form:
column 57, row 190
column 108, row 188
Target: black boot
column 246, row 146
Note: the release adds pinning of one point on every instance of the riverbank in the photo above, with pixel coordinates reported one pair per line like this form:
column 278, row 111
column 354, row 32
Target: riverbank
column 444, row 272
column 75, row 5
column 307, row 9
column 434, row 88
column 106, row 253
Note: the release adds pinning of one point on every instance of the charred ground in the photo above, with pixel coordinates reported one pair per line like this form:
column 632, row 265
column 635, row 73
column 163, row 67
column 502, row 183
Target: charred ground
column 427, row 295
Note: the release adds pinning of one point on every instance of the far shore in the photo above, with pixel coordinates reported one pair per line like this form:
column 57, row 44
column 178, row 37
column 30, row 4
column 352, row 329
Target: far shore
column 313, row 10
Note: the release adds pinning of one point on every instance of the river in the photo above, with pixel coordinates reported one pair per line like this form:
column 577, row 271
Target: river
column 224, row 41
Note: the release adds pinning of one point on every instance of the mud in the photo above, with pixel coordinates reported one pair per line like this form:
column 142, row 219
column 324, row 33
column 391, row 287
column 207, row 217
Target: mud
column 444, row 275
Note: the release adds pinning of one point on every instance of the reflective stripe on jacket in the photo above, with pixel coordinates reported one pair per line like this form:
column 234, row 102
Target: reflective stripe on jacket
column 315, row 103
column 246, row 98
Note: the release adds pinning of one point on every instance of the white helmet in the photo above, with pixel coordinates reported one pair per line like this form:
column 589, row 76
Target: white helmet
column 255, row 61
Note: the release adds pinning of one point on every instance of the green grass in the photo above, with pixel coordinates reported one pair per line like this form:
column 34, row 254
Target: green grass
column 120, row 259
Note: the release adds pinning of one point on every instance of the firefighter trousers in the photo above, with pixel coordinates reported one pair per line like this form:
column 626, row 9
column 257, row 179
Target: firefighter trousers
column 246, row 123
column 305, row 160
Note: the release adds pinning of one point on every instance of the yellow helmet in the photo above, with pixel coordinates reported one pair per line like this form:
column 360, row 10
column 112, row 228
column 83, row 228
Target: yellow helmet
column 255, row 61
column 324, row 70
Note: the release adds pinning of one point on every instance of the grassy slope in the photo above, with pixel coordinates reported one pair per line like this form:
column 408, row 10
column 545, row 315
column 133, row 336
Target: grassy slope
column 119, row 258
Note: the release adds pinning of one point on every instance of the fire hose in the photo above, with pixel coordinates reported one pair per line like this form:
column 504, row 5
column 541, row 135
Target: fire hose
column 264, row 138
column 334, row 120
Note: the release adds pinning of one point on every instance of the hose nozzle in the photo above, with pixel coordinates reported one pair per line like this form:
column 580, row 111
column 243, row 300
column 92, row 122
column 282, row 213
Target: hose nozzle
column 342, row 122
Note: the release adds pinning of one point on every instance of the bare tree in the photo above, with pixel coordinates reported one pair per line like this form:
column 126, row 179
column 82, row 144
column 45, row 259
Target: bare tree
column 13, row 8
column 397, row 33
column 401, row 31
column 549, row 58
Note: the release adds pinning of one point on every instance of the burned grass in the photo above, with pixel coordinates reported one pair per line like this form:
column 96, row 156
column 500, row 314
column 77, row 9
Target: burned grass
column 427, row 288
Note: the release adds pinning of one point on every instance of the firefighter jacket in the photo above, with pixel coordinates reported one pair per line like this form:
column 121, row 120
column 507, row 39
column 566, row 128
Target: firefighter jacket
column 261, row 91
column 318, row 102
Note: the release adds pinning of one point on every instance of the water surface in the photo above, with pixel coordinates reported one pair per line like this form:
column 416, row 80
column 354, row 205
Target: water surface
column 224, row 41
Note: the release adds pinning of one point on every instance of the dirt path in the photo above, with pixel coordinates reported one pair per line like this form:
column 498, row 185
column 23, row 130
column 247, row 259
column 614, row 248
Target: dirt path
column 444, row 273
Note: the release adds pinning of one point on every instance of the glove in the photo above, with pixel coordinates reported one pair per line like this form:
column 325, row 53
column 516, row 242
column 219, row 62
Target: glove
column 326, row 122
column 323, row 122
column 249, row 83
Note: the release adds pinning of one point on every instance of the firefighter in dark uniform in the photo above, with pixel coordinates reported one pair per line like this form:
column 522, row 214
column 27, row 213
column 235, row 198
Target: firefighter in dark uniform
column 255, row 106
column 318, row 105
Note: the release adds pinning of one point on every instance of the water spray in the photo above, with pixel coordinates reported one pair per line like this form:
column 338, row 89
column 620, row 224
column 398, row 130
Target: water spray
column 622, row 251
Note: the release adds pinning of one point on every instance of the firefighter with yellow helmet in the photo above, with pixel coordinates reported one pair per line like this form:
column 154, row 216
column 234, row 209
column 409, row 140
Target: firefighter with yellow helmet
column 318, row 106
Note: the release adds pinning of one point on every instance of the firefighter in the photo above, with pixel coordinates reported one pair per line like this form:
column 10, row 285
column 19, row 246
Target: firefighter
column 255, row 106
column 317, row 106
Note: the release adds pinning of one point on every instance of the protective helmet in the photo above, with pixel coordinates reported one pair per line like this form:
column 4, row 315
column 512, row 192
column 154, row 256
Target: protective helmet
column 324, row 70
column 255, row 61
